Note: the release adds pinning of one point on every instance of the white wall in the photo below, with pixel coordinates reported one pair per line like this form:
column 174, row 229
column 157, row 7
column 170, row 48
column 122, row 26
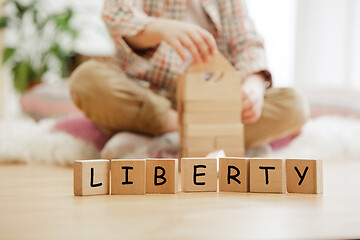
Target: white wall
column 327, row 48
column 275, row 20
column 355, row 46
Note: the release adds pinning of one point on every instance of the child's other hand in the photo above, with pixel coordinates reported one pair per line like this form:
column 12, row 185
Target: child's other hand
column 252, row 98
column 181, row 35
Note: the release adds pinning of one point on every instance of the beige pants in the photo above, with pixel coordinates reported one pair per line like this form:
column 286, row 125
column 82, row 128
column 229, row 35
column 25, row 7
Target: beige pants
column 116, row 103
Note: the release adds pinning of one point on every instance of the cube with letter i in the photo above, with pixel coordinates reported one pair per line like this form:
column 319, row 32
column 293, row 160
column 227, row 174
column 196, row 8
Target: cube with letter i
column 91, row 177
column 267, row 175
column 304, row 176
column 128, row 176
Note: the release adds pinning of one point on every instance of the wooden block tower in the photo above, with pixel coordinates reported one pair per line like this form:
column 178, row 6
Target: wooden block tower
column 209, row 107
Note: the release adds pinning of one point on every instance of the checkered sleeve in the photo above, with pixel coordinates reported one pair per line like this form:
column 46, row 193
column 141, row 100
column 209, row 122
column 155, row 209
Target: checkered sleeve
column 246, row 45
column 124, row 18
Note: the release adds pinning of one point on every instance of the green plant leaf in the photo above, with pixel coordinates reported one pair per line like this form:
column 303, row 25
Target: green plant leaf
column 62, row 19
column 21, row 9
column 8, row 53
column 36, row 17
column 4, row 21
column 23, row 68
column 21, row 76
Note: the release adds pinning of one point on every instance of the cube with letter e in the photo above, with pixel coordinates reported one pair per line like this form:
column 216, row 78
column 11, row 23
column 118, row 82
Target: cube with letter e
column 199, row 174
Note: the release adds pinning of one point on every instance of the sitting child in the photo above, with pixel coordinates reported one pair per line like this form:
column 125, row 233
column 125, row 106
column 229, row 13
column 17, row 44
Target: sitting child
column 151, row 39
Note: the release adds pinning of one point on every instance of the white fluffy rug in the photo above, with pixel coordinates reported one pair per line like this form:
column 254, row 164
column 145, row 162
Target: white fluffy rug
column 327, row 137
column 24, row 140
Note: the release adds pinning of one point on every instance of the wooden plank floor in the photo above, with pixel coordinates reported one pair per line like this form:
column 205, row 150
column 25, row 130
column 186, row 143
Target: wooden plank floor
column 37, row 202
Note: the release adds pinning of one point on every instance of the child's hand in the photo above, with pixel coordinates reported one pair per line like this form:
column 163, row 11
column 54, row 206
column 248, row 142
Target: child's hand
column 180, row 35
column 200, row 43
column 252, row 98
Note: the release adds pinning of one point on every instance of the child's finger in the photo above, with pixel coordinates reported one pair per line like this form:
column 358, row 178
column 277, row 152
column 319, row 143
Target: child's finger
column 246, row 102
column 188, row 44
column 251, row 117
column 201, row 45
column 210, row 41
column 176, row 44
column 248, row 119
column 248, row 113
column 244, row 95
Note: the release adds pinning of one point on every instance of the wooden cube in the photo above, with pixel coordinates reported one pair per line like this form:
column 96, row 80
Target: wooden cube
column 212, row 106
column 234, row 152
column 128, row 176
column 267, row 175
column 195, row 154
column 213, row 130
column 212, row 117
column 234, row 174
column 199, row 174
column 199, row 144
column 91, row 177
column 229, row 142
column 222, row 86
column 161, row 175
column 304, row 175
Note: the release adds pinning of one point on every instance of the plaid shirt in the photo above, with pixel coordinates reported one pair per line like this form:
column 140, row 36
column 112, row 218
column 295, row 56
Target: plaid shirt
column 231, row 27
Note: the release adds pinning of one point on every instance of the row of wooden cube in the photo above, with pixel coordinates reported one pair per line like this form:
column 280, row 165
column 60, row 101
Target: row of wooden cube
column 256, row 175
column 128, row 177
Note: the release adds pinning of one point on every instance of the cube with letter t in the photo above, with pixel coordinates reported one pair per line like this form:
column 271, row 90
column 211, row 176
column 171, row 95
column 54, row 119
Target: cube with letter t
column 199, row 174
column 161, row 175
column 91, row 177
column 267, row 175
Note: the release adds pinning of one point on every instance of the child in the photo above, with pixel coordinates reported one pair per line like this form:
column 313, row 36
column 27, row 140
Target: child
column 151, row 39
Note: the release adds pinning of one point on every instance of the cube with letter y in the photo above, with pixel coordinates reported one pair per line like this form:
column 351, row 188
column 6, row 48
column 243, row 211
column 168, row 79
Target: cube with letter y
column 128, row 176
column 199, row 174
column 91, row 177
column 304, row 176
column 234, row 174
column 267, row 175
column 161, row 175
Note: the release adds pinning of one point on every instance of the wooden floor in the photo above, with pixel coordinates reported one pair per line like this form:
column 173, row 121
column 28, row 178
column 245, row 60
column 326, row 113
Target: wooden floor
column 37, row 202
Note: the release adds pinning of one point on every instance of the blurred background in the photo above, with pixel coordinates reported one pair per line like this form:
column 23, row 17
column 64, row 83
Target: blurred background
column 310, row 45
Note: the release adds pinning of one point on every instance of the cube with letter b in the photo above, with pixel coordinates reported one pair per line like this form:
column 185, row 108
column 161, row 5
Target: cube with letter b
column 161, row 175
column 91, row 177
column 128, row 176
column 304, row 176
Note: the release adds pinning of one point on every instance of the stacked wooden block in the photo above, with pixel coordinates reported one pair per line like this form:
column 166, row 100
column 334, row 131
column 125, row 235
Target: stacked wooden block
column 258, row 175
column 209, row 108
